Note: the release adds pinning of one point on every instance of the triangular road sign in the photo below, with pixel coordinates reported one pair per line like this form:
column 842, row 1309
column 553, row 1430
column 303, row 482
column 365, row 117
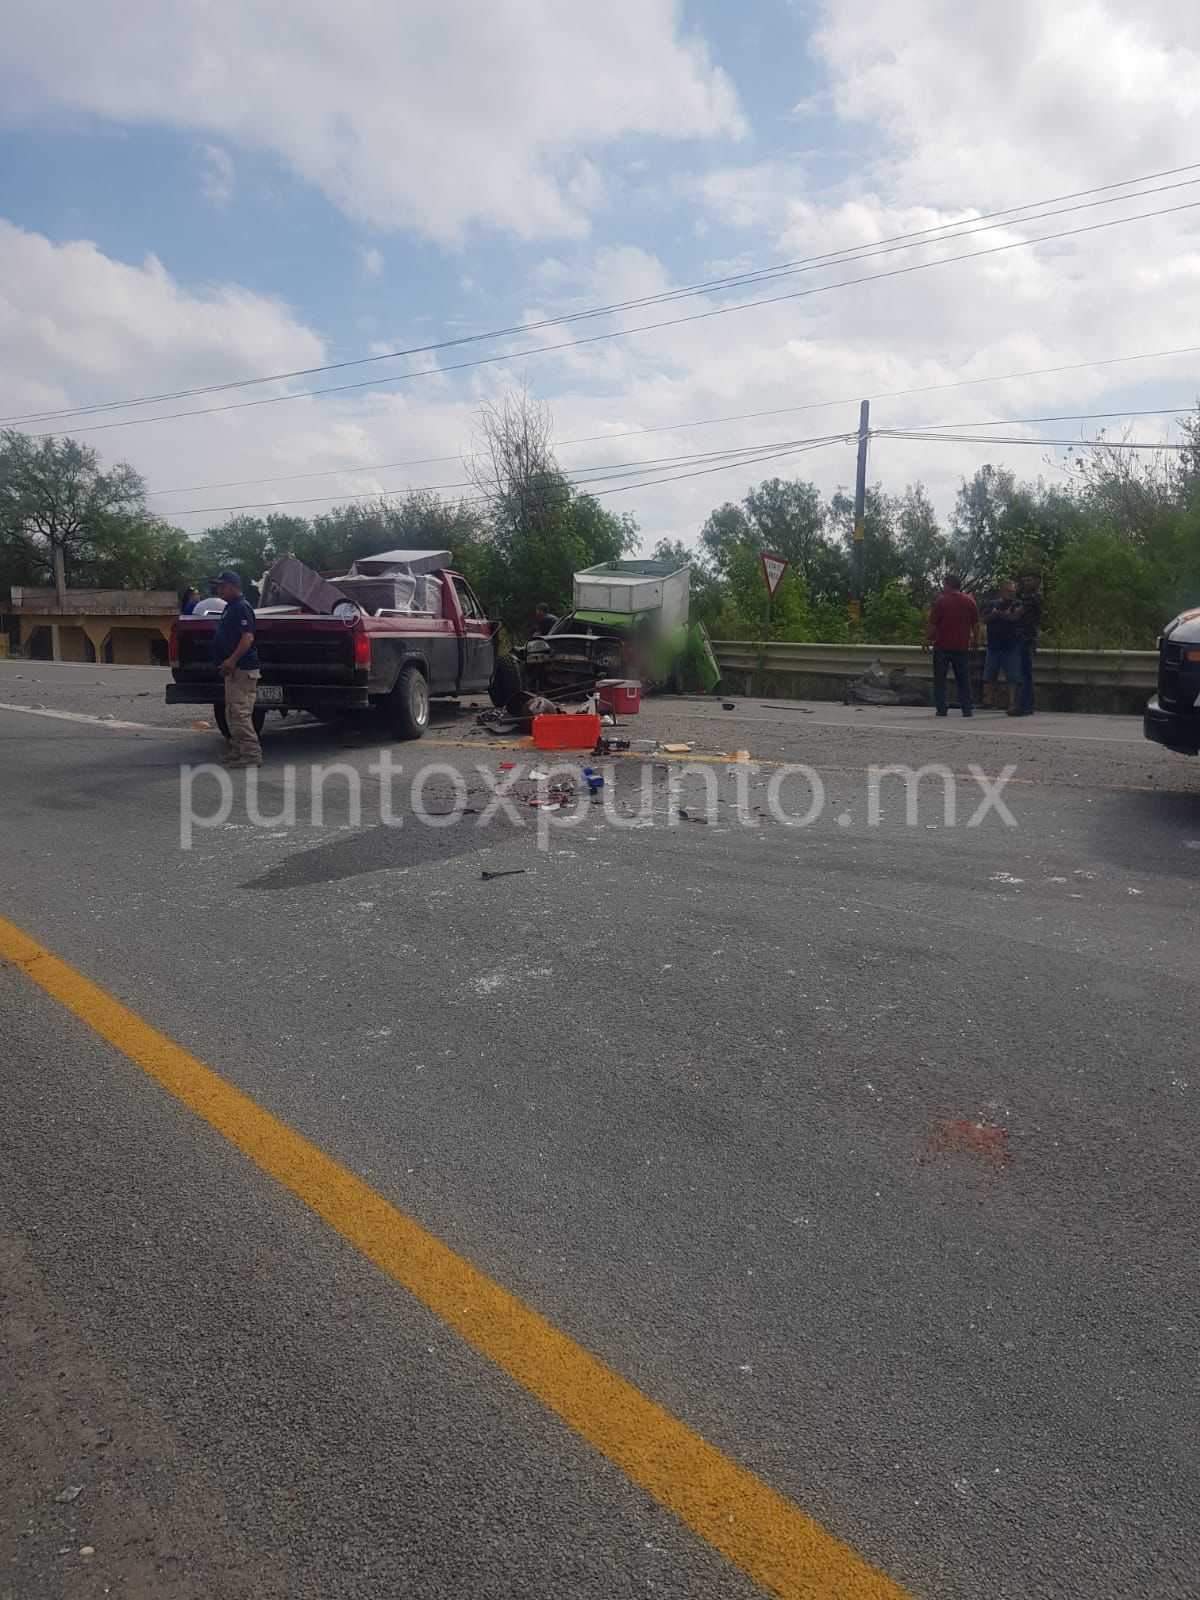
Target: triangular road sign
column 774, row 568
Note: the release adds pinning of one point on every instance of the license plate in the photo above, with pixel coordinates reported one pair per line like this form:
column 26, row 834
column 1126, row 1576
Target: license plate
column 269, row 694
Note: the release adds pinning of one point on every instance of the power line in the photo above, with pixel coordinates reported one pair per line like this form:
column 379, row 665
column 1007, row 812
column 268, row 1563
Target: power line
column 1065, row 416
column 734, row 455
column 1100, row 443
column 700, row 422
column 929, row 235
column 648, row 327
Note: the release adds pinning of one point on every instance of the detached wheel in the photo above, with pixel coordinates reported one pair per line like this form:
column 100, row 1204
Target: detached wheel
column 407, row 707
column 258, row 717
column 508, row 681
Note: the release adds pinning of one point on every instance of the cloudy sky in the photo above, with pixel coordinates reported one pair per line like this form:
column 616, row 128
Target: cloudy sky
column 221, row 190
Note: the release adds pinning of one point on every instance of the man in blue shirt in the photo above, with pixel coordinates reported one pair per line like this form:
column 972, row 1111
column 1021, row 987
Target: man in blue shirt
column 237, row 661
column 1003, row 618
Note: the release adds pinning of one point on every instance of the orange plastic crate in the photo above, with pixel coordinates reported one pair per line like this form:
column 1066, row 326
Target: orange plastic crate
column 560, row 732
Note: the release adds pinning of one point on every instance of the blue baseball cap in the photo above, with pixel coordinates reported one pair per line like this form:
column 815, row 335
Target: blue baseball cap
column 228, row 575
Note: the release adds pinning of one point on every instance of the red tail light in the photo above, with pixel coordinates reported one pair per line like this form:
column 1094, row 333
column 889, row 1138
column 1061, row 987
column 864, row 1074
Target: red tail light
column 173, row 646
column 362, row 647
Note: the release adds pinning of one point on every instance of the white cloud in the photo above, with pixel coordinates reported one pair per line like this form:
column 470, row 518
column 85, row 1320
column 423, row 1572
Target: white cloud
column 370, row 258
column 1016, row 98
column 78, row 327
column 421, row 116
column 216, row 177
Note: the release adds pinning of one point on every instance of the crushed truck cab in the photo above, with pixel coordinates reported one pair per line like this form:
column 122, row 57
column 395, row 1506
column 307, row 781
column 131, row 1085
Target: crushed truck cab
column 629, row 618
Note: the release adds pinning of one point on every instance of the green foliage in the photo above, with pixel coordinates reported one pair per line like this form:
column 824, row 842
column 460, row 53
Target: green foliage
column 924, row 548
column 789, row 614
column 1118, row 545
column 889, row 617
column 883, row 559
column 1106, row 595
column 62, row 517
column 523, row 565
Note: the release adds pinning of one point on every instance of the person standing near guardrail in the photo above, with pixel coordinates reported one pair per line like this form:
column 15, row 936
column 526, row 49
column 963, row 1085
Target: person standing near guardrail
column 1032, row 601
column 952, row 632
column 237, row 662
column 1002, row 618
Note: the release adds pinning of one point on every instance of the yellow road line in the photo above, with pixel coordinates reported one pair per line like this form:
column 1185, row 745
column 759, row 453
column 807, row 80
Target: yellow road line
column 783, row 1550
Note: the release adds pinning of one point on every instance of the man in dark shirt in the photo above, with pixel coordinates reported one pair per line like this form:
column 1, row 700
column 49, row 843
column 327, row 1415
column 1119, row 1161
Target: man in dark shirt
column 1032, row 601
column 237, row 661
column 952, row 632
column 543, row 619
column 1002, row 617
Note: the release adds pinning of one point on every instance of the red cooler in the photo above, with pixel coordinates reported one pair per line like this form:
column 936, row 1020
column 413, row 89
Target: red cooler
column 620, row 697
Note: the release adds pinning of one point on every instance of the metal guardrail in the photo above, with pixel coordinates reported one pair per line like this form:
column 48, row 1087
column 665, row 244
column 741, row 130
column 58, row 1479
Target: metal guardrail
column 1101, row 669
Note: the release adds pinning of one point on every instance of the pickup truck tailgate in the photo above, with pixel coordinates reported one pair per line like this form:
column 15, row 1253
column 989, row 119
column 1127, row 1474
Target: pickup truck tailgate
column 311, row 661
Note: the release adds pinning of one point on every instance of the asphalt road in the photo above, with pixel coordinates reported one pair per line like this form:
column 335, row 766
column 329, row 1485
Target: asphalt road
column 867, row 1152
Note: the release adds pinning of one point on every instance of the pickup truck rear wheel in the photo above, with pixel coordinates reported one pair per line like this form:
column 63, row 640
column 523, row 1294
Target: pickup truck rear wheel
column 407, row 707
column 508, row 681
column 258, row 716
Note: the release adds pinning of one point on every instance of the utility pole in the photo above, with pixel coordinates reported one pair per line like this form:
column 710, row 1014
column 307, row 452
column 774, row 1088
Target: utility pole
column 860, row 511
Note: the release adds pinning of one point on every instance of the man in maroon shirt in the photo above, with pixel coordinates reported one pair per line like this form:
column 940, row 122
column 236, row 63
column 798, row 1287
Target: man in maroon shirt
column 952, row 632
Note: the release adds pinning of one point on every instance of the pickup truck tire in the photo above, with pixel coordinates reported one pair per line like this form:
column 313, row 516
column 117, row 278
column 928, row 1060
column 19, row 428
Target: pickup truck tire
column 407, row 707
column 258, row 717
column 508, row 681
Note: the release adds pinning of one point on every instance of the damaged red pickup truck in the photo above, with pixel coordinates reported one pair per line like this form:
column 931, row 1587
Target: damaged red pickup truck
column 396, row 631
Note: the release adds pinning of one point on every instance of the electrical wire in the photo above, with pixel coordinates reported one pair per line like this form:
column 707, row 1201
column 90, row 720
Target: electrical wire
column 700, row 422
column 649, row 327
column 1064, row 416
column 1100, row 443
column 601, row 472
column 733, row 455
column 910, row 240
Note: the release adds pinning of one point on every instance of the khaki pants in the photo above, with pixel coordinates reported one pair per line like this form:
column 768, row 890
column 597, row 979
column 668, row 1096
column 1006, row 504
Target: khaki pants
column 240, row 691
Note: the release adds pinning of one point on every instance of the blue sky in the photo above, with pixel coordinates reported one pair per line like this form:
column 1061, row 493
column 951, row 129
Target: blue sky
column 316, row 184
column 135, row 190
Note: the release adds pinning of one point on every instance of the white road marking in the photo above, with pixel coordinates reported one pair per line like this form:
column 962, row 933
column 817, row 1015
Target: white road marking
column 93, row 721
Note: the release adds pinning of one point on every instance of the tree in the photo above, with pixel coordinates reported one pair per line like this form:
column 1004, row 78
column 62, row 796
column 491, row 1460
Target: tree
column 889, row 617
column 726, row 528
column 61, row 518
column 982, row 516
column 789, row 612
column 789, row 518
column 243, row 543
column 924, row 548
column 883, row 560
column 541, row 530
column 1107, row 595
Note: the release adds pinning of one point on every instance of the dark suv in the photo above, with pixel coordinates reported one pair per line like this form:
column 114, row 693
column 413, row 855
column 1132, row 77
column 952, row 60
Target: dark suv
column 1173, row 716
